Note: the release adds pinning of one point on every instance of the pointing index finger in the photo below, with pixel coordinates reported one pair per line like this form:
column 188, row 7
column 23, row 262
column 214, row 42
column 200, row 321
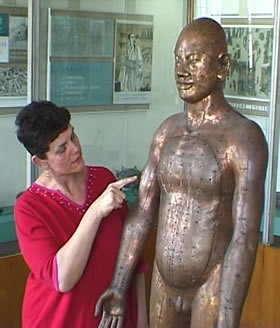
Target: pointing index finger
column 121, row 183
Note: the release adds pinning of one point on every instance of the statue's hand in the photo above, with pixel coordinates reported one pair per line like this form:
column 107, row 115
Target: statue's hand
column 113, row 305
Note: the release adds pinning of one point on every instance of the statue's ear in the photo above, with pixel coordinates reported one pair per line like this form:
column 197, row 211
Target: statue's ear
column 224, row 65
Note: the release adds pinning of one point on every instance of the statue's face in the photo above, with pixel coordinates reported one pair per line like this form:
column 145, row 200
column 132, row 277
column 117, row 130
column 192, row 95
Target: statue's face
column 196, row 68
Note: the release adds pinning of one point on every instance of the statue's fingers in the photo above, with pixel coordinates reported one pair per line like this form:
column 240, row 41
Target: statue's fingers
column 99, row 307
column 114, row 323
column 105, row 321
column 120, row 321
column 102, row 321
column 108, row 322
column 100, row 304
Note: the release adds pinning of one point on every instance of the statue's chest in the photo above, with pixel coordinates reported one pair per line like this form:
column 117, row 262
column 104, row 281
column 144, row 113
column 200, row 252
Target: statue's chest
column 189, row 161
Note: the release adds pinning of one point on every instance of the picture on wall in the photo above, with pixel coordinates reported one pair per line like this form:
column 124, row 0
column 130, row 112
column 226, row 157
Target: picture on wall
column 4, row 38
column 249, row 78
column 13, row 58
column 80, row 59
column 13, row 81
column 81, row 36
column 133, row 68
column 18, row 33
column 81, row 83
column 99, row 59
column 14, row 75
column 4, row 24
column 4, row 49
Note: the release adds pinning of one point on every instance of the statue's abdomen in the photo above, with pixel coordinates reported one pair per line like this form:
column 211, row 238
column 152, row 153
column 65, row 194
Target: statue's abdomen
column 189, row 179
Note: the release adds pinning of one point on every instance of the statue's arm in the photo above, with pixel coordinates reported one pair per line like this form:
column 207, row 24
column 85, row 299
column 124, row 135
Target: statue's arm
column 136, row 227
column 249, row 168
column 135, row 231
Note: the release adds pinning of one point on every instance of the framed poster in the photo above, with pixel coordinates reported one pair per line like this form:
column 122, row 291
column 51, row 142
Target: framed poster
column 133, row 69
column 13, row 81
column 4, row 24
column 81, row 36
column 99, row 59
column 4, row 49
column 4, row 38
column 13, row 58
column 249, row 80
column 81, row 83
column 18, row 33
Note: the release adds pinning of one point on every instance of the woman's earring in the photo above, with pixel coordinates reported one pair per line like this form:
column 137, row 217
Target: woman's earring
column 46, row 169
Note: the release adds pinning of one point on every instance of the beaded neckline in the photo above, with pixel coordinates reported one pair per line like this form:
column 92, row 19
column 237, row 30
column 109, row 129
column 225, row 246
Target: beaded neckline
column 63, row 199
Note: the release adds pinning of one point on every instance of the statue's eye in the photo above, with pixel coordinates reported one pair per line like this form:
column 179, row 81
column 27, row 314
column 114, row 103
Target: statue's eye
column 193, row 60
column 177, row 60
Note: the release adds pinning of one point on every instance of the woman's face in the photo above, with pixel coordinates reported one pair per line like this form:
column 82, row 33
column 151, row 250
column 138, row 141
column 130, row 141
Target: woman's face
column 65, row 154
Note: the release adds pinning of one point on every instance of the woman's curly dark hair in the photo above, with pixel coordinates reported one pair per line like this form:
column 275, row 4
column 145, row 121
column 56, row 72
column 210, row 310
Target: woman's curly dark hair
column 38, row 124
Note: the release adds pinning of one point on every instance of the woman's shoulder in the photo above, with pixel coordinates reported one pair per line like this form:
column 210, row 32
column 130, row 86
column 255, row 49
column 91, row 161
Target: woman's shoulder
column 28, row 195
column 101, row 172
column 29, row 201
column 99, row 169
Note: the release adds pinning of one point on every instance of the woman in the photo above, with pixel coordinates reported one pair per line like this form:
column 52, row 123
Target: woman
column 69, row 224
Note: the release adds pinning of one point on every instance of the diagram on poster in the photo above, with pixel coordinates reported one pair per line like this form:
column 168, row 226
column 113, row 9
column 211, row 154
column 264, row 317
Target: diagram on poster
column 250, row 49
column 133, row 70
column 13, row 58
column 99, row 58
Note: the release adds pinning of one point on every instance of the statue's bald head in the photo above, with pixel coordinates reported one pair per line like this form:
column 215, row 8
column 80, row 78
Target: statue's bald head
column 201, row 59
column 203, row 35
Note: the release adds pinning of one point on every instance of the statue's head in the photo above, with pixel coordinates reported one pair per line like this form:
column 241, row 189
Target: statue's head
column 201, row 59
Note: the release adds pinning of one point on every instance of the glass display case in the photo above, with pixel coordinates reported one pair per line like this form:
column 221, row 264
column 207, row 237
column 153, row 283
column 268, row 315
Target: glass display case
column 251, row 86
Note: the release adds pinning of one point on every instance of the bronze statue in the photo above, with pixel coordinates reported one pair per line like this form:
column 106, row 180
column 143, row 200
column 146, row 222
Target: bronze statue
column 205, row 179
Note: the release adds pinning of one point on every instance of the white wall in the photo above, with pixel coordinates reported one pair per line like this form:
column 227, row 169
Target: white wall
column 12, row 162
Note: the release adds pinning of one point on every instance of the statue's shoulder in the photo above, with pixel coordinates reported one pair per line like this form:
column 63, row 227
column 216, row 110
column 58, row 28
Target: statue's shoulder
column 166, row 129
column 244, row 123
column 246, row 130
column 171, row 121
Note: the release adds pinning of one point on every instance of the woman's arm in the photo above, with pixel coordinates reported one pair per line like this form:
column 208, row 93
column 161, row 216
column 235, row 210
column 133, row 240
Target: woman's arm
column 73, row 256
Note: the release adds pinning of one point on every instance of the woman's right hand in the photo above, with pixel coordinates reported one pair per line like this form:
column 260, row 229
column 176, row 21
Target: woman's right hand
column 111, row 198
column 73, row 256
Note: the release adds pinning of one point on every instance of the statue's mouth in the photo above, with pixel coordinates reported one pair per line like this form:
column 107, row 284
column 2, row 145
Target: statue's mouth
column 184, row 85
